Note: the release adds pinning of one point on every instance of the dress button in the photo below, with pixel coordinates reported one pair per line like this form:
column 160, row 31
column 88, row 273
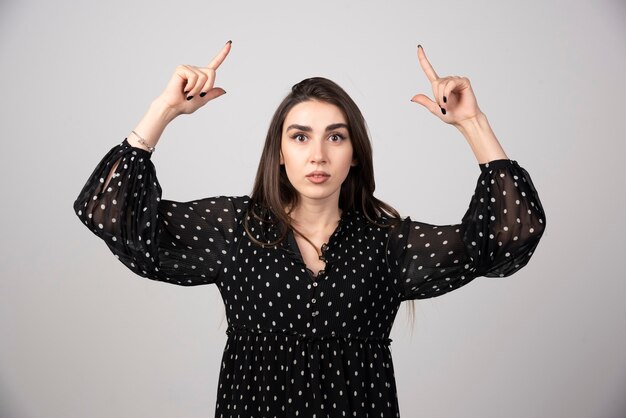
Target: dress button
column 314, row 284
column 315, row 313
column 313, row 300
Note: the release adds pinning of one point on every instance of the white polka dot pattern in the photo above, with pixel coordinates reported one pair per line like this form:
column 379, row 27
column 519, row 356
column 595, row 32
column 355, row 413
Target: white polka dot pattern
column 304, row 345
column 497, row 236
column 184, row 243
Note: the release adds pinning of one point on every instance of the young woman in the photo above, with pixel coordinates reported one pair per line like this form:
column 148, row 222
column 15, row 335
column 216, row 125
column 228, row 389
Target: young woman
column 312, row 267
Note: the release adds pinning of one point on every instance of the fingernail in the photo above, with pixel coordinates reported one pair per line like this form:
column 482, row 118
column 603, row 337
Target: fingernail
column 186, row 92
column 229, row 42
column 445, row 100
column 189, row 97
column 443, row 110
column 419, row 46
column 202, row 94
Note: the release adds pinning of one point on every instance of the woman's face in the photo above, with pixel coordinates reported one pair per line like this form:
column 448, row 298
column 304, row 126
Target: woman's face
column 316, row 149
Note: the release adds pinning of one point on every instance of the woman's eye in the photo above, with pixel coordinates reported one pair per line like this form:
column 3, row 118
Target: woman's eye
column 332, row 138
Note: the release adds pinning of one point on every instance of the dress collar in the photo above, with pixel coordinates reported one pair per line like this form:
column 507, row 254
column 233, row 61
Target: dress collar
column 270, row 232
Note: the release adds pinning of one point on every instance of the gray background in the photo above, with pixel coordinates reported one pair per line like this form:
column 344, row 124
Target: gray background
column 82, row 336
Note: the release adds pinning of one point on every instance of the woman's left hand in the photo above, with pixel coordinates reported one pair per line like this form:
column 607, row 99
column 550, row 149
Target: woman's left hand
column 455, row 101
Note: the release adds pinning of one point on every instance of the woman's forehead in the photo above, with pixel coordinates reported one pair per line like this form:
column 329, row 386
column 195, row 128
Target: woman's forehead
column 315, row 114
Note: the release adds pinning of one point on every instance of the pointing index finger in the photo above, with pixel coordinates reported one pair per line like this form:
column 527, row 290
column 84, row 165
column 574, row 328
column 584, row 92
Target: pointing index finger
column 219, row 58
column 428, row 69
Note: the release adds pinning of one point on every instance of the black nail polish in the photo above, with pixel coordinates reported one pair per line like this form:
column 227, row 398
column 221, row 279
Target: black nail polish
column 419, row 46
column 186, row 92
column 445, row 100
column 189, row 97
column 230, row 42
column 202, row 94
column 443, row 110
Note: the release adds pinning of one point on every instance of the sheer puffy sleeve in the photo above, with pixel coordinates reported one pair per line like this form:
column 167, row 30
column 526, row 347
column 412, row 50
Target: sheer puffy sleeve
column 183, row 243
column 496, row 237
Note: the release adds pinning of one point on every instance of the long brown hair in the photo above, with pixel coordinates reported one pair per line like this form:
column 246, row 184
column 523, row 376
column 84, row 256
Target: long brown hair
column 273, row 192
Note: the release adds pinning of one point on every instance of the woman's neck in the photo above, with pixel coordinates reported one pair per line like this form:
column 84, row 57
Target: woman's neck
column 311, row 216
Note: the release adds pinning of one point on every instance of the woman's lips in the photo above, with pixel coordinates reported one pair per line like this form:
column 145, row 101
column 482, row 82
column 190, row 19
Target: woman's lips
column 318, row 178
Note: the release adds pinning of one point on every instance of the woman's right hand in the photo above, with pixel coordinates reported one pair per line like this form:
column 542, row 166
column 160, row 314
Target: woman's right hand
column 191, row 87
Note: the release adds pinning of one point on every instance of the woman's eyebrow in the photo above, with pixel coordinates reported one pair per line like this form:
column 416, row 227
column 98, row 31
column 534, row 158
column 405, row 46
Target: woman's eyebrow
column 309, row 129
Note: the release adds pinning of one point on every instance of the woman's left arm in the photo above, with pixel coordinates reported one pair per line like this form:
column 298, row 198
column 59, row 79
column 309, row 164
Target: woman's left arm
column 502, row 226
column 455, row 104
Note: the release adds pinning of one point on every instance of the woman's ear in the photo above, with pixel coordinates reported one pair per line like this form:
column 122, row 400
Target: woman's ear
column 282, row 160
column 354, row 162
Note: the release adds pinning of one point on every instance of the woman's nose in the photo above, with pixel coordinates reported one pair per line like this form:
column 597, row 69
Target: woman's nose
column 318, row 152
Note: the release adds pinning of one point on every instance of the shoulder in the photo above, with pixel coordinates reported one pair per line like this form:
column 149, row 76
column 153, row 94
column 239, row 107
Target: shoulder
column 389, row 222
column 221, row 208
column 380, row 226
column 236, row 206
column 240, row 203
column 224, row 201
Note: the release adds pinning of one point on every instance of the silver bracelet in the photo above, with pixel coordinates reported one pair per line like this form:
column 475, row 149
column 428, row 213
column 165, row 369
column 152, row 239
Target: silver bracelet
column 143, row 142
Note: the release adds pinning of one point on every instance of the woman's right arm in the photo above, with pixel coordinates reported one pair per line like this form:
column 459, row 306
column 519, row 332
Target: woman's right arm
column 152, row 125
column 183, row 243
column 188, row 89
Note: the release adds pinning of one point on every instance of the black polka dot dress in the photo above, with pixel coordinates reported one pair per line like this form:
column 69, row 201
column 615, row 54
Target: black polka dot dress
column 302, row 344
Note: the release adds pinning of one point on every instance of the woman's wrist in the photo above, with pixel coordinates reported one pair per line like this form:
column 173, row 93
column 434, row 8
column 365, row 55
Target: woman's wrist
column 160, row 112
column 481, row 138
column 152, row 125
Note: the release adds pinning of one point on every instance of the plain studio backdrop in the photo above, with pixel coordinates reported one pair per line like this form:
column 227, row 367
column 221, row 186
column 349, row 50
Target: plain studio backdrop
column 82, row 336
